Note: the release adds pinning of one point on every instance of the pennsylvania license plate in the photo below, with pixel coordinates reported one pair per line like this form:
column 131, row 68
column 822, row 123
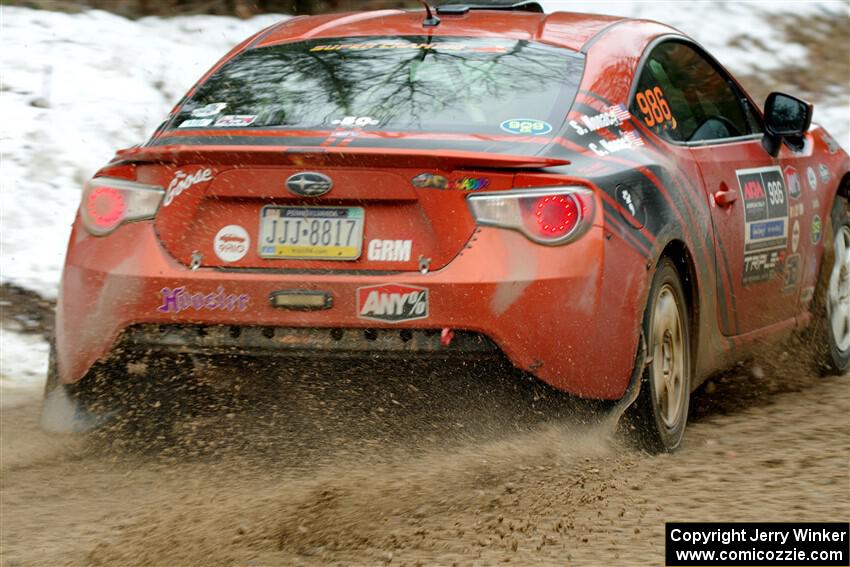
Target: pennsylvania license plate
column 311, row 233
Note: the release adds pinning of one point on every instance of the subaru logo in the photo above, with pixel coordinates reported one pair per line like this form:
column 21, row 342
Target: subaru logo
column 309, row 184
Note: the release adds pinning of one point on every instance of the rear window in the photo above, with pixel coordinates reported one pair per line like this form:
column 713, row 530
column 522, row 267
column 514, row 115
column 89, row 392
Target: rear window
column 445, row 84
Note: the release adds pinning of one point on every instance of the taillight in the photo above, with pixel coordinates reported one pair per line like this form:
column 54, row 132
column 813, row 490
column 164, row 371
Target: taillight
column 108, row 202
column 550, row 215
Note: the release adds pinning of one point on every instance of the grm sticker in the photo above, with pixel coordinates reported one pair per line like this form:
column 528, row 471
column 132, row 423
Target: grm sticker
column 389, row 250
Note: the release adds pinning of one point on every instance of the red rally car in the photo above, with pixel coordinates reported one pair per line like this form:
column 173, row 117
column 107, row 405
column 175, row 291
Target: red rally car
column 596, row 198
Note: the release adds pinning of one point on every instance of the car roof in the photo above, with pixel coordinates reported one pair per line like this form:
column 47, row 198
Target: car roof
column 565, row 29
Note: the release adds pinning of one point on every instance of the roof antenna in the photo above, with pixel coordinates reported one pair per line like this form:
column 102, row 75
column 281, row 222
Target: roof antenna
column 430, row 19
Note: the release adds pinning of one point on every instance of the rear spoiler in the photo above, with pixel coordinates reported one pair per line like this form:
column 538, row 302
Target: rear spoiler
column 315, row 156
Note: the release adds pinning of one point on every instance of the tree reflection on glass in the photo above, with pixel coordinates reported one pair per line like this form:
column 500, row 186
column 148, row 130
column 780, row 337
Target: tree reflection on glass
column 410, row 83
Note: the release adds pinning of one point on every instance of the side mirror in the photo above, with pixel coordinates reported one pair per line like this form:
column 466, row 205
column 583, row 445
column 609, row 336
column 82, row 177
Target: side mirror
column 785, row 116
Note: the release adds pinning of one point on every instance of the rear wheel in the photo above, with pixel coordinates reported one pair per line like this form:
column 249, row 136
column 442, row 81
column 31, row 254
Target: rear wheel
column 661, row 410
column 832, row 303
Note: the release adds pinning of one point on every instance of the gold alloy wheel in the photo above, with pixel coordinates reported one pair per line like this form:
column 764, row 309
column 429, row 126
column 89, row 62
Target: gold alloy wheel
column 668, row 358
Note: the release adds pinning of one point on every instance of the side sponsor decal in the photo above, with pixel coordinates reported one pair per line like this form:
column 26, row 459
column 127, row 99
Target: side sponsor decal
column 235, row 120
column 795, row 237
column 792, row 273
column 830, row 142
column 796, row 210
column 389, row 250
column 526, row 126
column 213, row 109
column 179, row 299
column 824, row 173
column 792, row 179
column 182, row 181
column 765, row 222
column 817, row 229
column 812, row 178
column 392, row 303
column 196, row 123
column 231, row 243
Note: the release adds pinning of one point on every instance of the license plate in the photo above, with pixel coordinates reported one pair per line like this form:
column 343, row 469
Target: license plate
column 311, row 233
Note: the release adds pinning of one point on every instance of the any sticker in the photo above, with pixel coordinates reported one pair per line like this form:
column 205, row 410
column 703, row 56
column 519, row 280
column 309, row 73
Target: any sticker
column 179, row 299
column 183, row 181
column 765, row 221
column 824, row 173
column 392, row 303
column 817, row 229
column 231, row 243
column 389, row 250
column 615, row 116
column 235, row 120
column 526, row 126
column 792, row 179
column 213, row 109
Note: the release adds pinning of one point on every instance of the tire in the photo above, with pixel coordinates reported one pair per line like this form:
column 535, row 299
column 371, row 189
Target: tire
column 660, row 412
column 831, row 310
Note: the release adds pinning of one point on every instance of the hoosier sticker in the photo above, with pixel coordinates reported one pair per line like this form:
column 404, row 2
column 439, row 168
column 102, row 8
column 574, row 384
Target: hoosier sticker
column 392, row 303
column 765, row 221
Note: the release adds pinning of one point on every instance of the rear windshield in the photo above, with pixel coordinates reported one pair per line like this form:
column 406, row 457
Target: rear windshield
column 445, row 84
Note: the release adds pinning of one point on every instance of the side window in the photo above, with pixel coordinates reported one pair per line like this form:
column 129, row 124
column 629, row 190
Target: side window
column 683, row 98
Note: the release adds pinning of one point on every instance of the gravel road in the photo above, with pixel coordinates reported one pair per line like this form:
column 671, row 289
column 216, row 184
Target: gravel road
column 460, row 466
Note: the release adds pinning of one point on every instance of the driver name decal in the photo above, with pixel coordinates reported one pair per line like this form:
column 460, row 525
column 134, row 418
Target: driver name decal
column 765, row 222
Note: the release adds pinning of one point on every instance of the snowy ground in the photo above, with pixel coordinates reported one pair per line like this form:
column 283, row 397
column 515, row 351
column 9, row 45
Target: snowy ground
column 74, row 88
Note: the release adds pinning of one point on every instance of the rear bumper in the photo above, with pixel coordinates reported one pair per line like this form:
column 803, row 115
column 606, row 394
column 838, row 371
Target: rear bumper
column 544, row 307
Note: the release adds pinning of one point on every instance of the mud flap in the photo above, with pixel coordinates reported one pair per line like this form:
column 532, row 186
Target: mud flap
column 632, row 392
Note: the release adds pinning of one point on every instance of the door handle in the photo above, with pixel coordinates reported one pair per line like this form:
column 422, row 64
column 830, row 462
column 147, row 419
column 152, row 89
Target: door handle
column 725, row 198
